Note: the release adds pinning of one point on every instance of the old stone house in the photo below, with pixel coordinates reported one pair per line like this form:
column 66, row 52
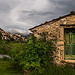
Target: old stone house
column 63, row 30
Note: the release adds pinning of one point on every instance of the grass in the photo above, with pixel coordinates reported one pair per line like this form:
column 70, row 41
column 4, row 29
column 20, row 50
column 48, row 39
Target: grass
column 6, row 47
column 59, row 70
column 51, row 69
column 4, row 69
column 4, row 64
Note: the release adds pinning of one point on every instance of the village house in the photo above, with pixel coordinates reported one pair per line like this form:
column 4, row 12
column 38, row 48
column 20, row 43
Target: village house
column 23, row 38
column 9, row 36
column 63, row 30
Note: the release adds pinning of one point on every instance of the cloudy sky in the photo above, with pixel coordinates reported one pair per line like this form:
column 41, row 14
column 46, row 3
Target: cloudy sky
column 20, row 15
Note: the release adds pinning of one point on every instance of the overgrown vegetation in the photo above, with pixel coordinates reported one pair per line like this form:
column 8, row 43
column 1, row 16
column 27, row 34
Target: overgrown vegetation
column 53, row 69
column 6, row 46
column 5, row 70
column 34, row 56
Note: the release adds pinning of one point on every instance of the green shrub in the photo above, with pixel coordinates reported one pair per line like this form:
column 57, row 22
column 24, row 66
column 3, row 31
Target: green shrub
column 12, row 39
column 6, row 58
column 34, row 56
column 0, row 38
column 5, row 47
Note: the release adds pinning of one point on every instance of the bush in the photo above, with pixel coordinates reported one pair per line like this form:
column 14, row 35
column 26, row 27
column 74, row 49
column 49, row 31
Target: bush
column 6, row 58
column 5, row 47
column 35, row 55
column 0, row 38
column 12, row 39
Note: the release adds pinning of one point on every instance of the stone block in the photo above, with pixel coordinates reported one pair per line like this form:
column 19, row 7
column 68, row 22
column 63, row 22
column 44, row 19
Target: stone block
column 72, row 20
column 62, row 47
column 60, row 43
column 62, row 55
column 61, row 33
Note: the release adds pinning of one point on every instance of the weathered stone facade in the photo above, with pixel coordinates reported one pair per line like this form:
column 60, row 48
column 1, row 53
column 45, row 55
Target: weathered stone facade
column 55, row 30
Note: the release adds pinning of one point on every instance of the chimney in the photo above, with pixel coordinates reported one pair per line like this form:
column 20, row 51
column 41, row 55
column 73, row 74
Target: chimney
column 72, row 12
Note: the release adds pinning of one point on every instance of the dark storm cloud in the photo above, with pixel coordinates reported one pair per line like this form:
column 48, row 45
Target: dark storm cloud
column 20, row 15
column 64, row 5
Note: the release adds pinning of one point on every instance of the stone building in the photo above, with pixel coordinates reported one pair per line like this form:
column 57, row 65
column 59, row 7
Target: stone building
column 63, row 30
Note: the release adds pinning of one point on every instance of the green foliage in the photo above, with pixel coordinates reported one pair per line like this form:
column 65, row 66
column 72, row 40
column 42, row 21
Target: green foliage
column 4, row 47
column 12, row 39
column 5, row 70
column 0, row 33
column 34, row 55
column 6, row 58
column 0, row 37
column 53, row 69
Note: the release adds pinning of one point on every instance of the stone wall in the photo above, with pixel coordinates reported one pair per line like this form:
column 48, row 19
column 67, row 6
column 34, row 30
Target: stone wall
column 55, row 30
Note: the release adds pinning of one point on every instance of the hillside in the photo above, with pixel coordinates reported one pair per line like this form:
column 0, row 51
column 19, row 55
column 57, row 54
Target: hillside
column 9, row 36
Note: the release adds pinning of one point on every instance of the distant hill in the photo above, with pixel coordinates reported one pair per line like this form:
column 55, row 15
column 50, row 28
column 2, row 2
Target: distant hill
column 9, row 36
column 26, row 36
